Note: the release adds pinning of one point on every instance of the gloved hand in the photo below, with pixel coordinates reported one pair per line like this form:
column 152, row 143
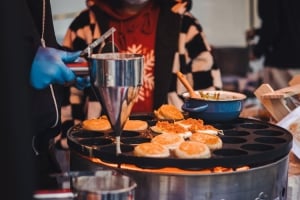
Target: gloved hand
column 82, row 82
column 49, row 67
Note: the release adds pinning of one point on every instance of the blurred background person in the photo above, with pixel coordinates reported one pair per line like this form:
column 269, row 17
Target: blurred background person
column 168, row 36
column 277, row 41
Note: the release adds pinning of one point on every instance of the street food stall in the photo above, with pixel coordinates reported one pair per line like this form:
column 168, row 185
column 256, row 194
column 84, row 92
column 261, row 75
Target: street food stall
column 251, row 162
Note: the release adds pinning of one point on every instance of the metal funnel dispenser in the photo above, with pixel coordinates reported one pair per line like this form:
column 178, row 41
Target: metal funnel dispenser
column 117, row 78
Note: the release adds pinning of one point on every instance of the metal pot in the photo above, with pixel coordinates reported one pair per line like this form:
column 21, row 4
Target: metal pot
column 105, row 184
column 116, row 69
column 214, row 106
column 262, row 182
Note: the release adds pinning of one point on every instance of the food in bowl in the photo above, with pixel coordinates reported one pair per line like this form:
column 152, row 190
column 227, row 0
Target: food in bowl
column 209, row 95
column 218, row 95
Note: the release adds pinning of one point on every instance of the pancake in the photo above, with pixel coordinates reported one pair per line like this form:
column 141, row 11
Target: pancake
column 197, row 125
column 135, row 125
column 191, row 123
column 171, row 141
column 192, row 149
column 169, row 127
column 168, row 112
column 212, row 141
column 209, row 129
column 150, row 149
column 98, row 124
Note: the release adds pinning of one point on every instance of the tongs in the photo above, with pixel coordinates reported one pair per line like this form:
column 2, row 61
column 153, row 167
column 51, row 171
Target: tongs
column 81, row 67
column 87, row 51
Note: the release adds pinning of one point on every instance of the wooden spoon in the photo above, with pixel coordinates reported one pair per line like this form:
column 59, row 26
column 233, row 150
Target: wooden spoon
column 187, row 85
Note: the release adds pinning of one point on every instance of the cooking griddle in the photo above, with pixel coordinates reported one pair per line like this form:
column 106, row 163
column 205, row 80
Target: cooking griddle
column 245, row 142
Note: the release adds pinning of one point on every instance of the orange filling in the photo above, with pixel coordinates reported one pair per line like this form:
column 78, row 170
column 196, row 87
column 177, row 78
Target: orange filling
column 170, row 127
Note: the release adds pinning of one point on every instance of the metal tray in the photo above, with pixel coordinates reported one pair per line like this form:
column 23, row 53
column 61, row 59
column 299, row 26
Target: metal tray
column 245, row 142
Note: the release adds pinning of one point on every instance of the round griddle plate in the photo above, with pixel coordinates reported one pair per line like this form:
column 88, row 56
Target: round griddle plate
column 245, row 142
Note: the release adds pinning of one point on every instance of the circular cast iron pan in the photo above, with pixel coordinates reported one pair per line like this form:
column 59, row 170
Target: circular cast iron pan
column 245, row 142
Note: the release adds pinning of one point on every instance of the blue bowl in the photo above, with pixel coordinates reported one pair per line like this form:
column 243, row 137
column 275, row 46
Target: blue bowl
column 226, row 107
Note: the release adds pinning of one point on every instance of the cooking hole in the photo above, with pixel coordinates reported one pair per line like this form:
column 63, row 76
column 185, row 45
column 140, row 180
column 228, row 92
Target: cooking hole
column 254, row 126
column 268, row 133
column 152, row 122
column 224, row 126
column 257, row 147
column 127, row 134
column 240, row 120
column 137, row 140
column 270, row 140
column 230, row 152
column 112, row 148
column 87, row 134
column 96, row 141
column 233, row 140
column 236, row 133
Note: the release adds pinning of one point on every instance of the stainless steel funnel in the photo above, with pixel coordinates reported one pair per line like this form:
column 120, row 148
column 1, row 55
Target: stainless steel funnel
column 117, row 77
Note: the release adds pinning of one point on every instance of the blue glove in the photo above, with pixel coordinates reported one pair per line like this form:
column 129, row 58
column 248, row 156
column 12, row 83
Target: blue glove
column 49, row 67
column 82, row 82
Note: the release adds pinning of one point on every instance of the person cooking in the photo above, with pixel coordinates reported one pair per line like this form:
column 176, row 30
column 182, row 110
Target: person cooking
column 168, row 36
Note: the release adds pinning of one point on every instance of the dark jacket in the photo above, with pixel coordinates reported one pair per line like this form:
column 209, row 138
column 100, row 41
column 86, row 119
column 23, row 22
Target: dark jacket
column 20, row 38
column 279, row 36
column 44, row 113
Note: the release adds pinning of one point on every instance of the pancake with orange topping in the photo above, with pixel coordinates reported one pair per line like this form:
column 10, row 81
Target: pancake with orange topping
column 191, row 123
column 212, row 141
column 197, row 125
column 192, row 149
column 209, row 129
column 170, row 127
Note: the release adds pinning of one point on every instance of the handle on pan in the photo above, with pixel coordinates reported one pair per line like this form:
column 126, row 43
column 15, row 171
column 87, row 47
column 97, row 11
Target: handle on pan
column 198, row 108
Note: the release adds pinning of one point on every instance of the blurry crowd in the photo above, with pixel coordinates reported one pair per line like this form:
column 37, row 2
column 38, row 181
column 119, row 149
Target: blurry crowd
column 277, row 41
